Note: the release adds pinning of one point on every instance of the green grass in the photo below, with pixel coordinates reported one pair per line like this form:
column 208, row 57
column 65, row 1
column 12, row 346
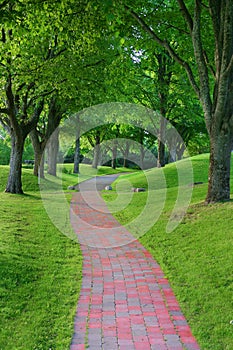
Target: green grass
column 167, row 177
column 66, row 178
column 40, row 268
column 40, row 273
column 197, row 257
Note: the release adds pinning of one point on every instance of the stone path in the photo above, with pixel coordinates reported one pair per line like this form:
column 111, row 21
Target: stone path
column 125, row 301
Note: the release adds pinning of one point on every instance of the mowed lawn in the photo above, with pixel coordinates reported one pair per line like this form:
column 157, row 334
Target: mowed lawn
column 40, row 273
column 40, row 268
column 197, row 257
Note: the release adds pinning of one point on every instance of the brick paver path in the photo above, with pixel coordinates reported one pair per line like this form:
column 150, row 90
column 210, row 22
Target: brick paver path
column 125, row 301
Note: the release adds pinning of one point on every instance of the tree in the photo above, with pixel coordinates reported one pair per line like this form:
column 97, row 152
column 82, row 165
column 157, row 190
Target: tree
column 42, row 132
column 77, row 149
column 156, row 81
column 95, row 137
column 18, row 129
column 42, row 45
column 52, row 152
column 209, row 69
column 24, row 87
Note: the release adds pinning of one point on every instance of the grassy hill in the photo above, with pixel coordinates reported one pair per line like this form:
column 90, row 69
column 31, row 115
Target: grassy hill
column 197, row 257
column 155, row 176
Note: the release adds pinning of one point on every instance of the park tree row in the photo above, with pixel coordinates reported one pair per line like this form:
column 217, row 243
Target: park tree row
column 47, row 52
column 60, row 57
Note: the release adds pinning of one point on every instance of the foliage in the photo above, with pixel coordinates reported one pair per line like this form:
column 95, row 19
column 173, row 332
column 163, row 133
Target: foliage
column 199, row 144
column 4, row 153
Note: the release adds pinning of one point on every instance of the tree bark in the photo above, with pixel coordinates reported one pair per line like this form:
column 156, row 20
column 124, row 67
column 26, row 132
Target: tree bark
column 38, row 169
column 77, row 152
column 14, row 183
column 96, row 158
column 41, row 168
column 142, row 156
column 219, row 167
column 126, row 154
column 164, row 80
column 172, row 153
column 114, row 154
column 77, row 156
column 38, row 147
column 52, row 149
column 180, row 151
column 161, row 143
column 40, row 138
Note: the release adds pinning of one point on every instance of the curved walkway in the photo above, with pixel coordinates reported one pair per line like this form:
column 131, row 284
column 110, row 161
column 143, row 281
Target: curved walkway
column 125, row 301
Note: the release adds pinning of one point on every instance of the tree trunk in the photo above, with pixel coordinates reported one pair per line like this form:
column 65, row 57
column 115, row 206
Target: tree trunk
column 96, row 158
column 161, row 145
column 164, row 80
column 114, row 154
column 38, row 169
column 77, row 156
column 41, row 168
column 126, row 155
column 219, row 168
column 180, row 151
column 142, row 156
column 172, row 153
column 38, row 148
column 52, row 148
column 14, row 184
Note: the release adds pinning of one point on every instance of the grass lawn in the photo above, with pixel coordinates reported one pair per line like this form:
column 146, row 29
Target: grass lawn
column 40, row 268
column 40, row 273
column 197, row 257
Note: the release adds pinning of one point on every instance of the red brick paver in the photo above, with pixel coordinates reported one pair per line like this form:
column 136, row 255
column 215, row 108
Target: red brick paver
column 125, row 301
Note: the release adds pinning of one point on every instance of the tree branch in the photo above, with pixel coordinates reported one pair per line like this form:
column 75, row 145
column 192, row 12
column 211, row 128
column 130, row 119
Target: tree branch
column 94, row 64
column 11, row 103
column 25, row 97
column 168, row 48
column 42, row 95
column 174, row 27
column 209, row 65
column 90, row 141
column 186, row 15
column 201, row 63
column 31, row 124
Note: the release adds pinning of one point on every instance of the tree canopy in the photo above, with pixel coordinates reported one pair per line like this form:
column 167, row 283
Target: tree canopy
column 144, row 52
